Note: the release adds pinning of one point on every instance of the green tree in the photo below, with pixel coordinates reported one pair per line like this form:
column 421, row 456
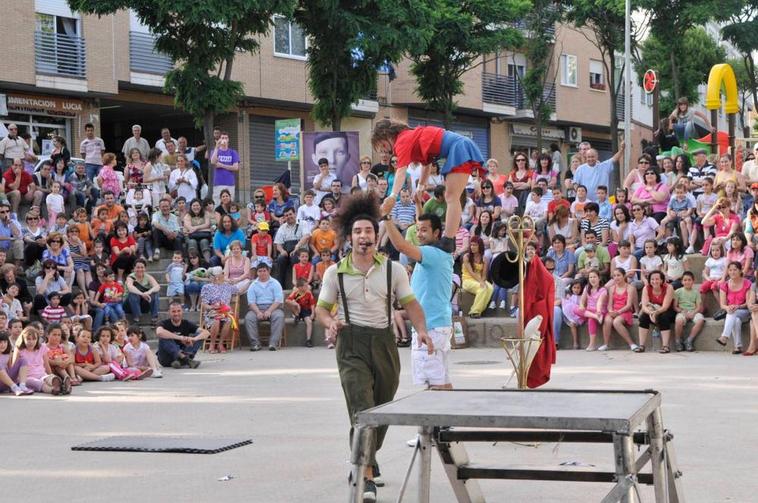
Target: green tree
column 348, row 41
column 741, row 29
column 744, row 87
column 202, row 37
column 538, row 81
column 605, row 21
column 698, row 52
column 670, row 21
column 462, row 33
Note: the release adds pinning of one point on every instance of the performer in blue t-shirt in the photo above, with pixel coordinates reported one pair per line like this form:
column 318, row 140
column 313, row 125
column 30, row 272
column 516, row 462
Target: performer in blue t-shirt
column 432, row 284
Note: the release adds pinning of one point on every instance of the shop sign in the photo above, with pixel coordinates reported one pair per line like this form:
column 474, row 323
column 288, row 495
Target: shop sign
column 527, row 130
column 49, row 105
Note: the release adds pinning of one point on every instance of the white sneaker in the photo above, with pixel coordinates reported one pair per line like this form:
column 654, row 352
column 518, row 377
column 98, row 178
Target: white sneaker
column 107, row 377
column 590, row 348
column 633, row 347
column 604, row 347
column 16, row 390
column 689, row 250
column 25, row 389
column 492, row 305
column 330, row 346
column 157, row 374
column 412, row 442
column 157, row 255
column 502, row 304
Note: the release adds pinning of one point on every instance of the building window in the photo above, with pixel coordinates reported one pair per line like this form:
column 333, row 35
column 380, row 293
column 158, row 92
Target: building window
column 569, row 70
column 289, row 39
column 597, row 81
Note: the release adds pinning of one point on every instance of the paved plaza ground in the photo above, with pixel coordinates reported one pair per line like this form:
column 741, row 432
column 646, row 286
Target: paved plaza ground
column 291, row 405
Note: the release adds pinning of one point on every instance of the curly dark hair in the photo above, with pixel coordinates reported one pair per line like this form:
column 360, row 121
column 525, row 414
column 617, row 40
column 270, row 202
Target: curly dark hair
column 363, row 206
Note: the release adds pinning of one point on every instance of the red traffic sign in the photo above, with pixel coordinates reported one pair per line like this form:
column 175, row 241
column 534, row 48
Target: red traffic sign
column 649, row 81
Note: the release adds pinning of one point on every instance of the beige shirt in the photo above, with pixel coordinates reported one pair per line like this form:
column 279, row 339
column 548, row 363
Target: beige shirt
column 366, row 293
column 750, row 170
column 13, row 148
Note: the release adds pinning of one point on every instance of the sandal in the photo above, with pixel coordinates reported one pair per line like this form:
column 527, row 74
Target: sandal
column 403, row 343
column 66, row 386
column 639, row 349
column 721, row 341
column 55, row 383
column 664, row 350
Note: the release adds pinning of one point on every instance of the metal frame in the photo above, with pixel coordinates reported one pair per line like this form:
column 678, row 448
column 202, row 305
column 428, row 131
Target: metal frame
column 446, row 432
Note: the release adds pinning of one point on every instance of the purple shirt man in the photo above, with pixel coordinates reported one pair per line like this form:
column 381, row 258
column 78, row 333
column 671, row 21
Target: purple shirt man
column 226, row 161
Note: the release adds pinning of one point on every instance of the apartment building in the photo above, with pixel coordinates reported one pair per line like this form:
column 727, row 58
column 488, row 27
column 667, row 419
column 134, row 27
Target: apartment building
column 63, row 69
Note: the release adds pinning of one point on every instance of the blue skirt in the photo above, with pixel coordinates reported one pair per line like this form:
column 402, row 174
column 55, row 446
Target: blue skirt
column 458, row 150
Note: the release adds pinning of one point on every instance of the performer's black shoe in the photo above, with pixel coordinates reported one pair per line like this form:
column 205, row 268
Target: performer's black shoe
column 369, row 491
column 446, row 244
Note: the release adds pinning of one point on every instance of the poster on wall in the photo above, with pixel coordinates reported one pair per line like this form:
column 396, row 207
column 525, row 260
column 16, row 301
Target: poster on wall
column 287, row 140
column 340, row 148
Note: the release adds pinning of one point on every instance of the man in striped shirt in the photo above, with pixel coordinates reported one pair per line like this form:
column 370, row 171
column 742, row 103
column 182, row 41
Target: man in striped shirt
column 404, row 213
column 54, row 312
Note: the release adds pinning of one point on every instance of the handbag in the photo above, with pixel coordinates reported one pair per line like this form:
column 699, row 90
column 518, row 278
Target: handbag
column 719, row 315
column 198, row 235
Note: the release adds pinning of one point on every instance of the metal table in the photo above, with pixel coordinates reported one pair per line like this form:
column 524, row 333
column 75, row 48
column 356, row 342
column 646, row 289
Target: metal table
column 586, row 416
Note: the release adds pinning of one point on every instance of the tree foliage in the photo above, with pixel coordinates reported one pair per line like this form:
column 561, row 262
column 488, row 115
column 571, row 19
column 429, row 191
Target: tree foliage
column 348, row 41
column 670, row 21
column 605, row 20
column 697, row 53
column 461, row 33
column 741, row 29
column 539, row 79
column 202, row 37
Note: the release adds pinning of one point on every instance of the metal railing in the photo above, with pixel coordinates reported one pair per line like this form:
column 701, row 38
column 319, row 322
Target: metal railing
column 507, row 91
column 501, row 90
column 60, row 54
column 144, row 58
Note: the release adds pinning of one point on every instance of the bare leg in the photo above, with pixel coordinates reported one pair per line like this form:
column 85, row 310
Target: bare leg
column 226, row 331
column 308, row 327
column 455, row 183
column 607, row 326
column 87, row 375
column 618, row 324
column 665, row 337
column 643, row 336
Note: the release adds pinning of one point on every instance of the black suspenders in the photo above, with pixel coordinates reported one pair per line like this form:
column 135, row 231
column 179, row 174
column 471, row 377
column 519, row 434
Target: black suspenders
column 389, row 295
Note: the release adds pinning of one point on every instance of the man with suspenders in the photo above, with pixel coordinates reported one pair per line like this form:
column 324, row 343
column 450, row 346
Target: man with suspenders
column 361, row 287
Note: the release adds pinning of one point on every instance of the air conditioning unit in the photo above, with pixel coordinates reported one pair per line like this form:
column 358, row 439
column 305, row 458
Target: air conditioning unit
column 574, row 135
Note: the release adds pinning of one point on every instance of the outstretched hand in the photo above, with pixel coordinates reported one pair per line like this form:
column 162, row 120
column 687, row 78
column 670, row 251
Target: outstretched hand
column 387, row 205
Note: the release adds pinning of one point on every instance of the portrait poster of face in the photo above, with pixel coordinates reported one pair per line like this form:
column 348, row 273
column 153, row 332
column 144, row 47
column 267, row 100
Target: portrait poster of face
column 340, row 148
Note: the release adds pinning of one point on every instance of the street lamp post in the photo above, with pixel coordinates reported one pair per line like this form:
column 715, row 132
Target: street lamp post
column 627, row 84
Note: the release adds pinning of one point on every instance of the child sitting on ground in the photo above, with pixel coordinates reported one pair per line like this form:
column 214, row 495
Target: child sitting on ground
column 111, row 355
column 89, row 367
column 78, row 310
column 60, row 359
column 136, row 352
column 39, row 375
column 12, row 376
column 301, row 302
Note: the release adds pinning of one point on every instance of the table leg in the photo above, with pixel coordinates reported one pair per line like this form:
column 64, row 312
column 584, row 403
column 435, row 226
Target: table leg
column 363, row 439
column 655, row 432
column 623, row 447
column 425, row 464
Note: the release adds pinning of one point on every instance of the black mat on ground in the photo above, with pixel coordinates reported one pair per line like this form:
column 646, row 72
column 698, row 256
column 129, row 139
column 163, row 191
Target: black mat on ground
column 186, row 445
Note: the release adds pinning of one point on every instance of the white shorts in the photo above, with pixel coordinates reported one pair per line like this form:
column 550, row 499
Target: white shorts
column 431, row 369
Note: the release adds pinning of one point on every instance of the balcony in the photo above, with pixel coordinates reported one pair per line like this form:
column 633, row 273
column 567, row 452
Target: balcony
column 60, row 55
column 505, row 91
column 143, row 58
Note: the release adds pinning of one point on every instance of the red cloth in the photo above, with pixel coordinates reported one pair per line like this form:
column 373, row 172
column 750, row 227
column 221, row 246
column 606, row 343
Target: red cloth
column 421, row 144
column 539, row 298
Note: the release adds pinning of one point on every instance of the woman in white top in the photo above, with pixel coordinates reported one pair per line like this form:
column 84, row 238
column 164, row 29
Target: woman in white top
column 183, row 179
column 360, row 178
column 562, row 224
column 322, row 183
column 156, row 175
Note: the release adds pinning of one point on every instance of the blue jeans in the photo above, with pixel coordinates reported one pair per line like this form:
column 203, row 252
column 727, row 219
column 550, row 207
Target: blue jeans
column 114, row 311
column 169, row 350
column 92, row 170
column 138, row 305
column 557, row 322
column 98, row 314
column 193, row 287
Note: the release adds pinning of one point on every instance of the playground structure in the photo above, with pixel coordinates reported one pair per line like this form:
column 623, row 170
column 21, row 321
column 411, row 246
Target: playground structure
column 722, row 75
